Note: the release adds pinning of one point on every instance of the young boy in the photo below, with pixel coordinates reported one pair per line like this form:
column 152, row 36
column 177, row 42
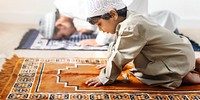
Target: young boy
column 161, row 57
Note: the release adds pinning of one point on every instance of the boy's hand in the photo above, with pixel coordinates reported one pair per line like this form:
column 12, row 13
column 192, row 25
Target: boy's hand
column 88, row 42
column 94, row 82
column 101, row 66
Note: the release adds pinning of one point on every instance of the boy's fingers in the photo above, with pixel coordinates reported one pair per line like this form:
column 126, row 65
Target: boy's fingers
column 100, row 66
column 88, row 81
column 97, row 84
column 91, row 83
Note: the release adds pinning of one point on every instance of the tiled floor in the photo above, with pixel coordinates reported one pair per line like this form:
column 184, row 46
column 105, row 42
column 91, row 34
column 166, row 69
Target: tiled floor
column 11, row 34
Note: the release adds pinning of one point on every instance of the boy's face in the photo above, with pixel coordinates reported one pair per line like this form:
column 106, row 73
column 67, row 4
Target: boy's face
column 109, row 25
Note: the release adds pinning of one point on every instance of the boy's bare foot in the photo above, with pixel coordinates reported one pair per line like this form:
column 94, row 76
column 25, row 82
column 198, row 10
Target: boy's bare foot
column 197, row 65
column 192, row 78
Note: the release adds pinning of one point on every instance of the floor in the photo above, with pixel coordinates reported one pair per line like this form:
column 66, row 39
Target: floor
column 11, row 34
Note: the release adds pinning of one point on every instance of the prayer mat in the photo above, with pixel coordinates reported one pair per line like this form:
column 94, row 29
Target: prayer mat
column 32, row 40
column 195, row 45
column 64, row 78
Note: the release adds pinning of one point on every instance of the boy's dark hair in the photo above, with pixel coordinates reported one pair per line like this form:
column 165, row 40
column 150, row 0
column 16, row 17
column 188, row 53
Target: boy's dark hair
column 121, row 12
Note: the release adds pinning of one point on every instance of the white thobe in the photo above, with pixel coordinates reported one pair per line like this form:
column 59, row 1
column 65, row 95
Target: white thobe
column 160, row 57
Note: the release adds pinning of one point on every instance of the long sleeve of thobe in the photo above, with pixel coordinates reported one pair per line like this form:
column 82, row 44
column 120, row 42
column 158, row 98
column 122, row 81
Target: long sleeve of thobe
column 126, row 47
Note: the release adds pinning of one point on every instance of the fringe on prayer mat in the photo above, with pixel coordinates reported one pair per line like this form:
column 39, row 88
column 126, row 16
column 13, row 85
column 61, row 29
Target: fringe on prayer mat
column 7, row 70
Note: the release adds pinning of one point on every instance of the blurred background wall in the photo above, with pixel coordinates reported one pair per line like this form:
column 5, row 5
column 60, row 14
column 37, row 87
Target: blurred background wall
column 24, row 11
column 30, row 11
column 188, row 10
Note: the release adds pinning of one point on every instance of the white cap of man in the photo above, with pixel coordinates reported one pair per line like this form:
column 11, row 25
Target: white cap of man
column 47, row 24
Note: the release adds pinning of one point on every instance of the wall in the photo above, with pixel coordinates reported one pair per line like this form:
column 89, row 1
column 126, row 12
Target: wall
column 30, row 11
column 24, row 11
column 188, row 10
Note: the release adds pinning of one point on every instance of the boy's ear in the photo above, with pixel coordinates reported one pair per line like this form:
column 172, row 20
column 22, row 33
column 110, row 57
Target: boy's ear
column 113, row 13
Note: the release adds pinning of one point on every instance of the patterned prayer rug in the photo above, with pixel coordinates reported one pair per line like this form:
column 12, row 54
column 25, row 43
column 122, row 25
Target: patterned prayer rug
column 32, row 40
column 64, row 78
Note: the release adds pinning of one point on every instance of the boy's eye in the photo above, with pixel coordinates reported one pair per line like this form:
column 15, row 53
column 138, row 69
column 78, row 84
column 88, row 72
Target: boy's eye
column 99, row 24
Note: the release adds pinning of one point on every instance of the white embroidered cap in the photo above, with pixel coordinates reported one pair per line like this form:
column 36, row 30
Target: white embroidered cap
column 47, row 24
column 100, row 7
